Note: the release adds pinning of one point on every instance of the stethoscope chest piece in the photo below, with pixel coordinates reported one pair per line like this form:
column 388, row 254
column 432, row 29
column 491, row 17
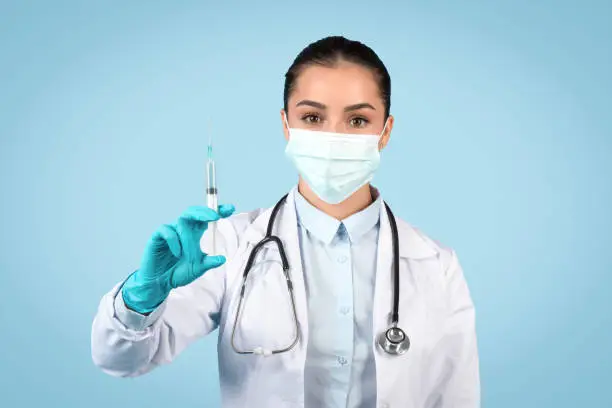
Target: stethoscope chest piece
column 394, row 341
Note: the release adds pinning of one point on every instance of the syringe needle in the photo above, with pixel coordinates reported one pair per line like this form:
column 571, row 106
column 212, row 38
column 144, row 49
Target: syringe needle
column 210, row 146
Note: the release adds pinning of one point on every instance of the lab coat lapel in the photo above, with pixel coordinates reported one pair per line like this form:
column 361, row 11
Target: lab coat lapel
column 383, row 296
column 382, row 309
column 412, row 247
column 287, row 228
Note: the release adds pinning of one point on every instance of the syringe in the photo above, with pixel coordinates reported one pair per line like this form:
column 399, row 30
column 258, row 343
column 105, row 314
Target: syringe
column 211, row 193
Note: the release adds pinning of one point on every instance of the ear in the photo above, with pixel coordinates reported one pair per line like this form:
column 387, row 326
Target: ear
column 285, row 120
column 384, row 139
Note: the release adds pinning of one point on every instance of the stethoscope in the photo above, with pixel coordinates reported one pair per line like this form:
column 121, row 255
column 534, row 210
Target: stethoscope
column 393, row 341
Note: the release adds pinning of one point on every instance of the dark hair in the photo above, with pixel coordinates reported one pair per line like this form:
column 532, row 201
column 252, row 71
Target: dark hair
column 331, row 50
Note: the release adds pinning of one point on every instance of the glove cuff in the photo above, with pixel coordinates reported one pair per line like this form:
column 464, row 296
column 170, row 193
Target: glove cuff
column 143, row 296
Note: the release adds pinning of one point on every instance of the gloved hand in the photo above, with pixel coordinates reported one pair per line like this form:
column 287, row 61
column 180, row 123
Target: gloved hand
column 172, row 258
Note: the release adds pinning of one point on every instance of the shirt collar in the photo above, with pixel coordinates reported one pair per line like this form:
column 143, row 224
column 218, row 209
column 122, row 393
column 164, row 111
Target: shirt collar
column 324, row 227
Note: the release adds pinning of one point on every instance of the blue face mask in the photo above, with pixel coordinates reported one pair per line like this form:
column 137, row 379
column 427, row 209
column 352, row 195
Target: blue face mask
column 334, row 165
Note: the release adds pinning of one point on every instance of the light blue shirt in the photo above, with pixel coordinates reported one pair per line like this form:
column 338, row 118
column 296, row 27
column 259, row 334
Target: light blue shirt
column 339, row 261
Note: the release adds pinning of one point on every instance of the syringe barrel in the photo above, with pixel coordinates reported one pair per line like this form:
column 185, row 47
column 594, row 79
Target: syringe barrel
column 211, row 186
column 211, row 200
column 211, row 177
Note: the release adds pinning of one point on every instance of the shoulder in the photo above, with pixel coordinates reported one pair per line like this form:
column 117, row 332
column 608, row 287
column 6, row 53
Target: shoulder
column 228, row 232
column 417, row 244
column 435, row 263
column 233, row 228
column 239, row 222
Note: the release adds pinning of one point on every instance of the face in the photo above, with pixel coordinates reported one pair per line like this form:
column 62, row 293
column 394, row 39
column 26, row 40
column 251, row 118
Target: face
column 344, row 98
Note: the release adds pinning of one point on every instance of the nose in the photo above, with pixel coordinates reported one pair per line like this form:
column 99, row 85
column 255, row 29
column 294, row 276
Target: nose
column 337, row 126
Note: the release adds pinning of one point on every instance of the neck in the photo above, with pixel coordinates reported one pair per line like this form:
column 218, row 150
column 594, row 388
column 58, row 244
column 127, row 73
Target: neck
column 359, row 200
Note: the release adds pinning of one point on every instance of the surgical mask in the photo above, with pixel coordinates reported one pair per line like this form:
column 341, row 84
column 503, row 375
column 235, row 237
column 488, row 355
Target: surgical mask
column 334, row 165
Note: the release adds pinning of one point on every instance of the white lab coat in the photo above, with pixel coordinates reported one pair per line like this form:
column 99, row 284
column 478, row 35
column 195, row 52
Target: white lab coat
column 440, row 370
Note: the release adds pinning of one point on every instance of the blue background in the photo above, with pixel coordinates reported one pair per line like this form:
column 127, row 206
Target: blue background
column 502, row 149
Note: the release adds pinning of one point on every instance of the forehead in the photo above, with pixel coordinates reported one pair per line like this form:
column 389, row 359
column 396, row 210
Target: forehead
column 343, row 84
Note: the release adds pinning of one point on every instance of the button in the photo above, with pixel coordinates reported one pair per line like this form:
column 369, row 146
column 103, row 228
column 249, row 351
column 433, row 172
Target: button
column 342, row 361
column 344, row 310
column 342, row 258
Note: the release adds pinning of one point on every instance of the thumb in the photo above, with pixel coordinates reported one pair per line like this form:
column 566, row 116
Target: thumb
column 187, row 272
column 212, row 261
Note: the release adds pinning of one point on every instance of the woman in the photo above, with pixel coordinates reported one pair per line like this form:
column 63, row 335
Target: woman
column 325, row 342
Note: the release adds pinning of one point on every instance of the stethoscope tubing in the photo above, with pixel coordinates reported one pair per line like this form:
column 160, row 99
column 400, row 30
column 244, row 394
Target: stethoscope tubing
column 387, row 339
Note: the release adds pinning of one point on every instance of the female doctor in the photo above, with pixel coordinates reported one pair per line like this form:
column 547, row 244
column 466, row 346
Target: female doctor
column 325, row 300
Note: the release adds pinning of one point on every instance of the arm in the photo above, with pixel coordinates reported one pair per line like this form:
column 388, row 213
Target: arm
column 463, row 387
column 127, row 344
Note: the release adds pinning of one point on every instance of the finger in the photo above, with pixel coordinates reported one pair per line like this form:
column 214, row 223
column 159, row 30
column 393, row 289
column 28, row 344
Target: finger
column 225, row 210
column 212, row 261
column 200, row 213
column 169, row 234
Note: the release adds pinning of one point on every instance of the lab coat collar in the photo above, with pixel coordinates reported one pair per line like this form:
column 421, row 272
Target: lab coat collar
column 411, row 243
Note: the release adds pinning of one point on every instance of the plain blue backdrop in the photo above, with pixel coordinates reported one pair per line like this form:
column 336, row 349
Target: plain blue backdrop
column 502, row 149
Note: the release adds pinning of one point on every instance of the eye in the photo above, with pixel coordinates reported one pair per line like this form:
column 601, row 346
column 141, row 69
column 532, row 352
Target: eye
column 311, row 118
column 359, row 122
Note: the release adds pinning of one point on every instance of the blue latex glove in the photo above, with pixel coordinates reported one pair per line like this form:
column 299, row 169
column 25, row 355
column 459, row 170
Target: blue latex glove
column 172, row 258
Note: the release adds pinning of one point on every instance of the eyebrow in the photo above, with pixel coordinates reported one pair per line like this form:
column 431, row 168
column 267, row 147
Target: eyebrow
column 321, row 106
column 314, row 104
column 358, row 106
